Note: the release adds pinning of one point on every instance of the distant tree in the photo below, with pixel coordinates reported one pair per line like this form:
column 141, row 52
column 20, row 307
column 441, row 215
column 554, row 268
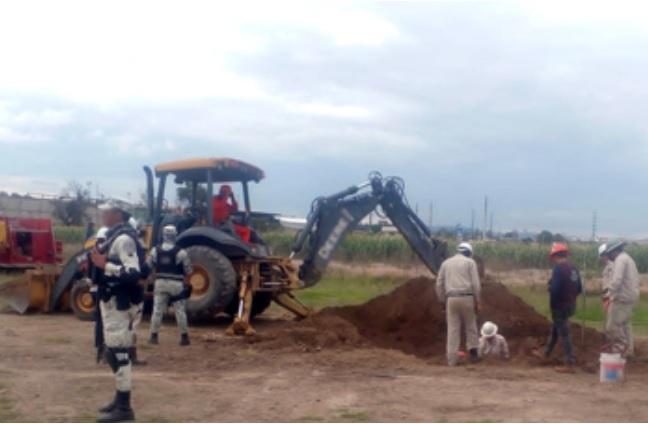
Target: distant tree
column 512, row 235
column 71, row 208
column 184, row 194
column 559, row 238
column 545, row 237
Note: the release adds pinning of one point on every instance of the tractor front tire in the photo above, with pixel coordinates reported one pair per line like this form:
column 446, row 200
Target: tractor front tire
column 213, row 280
column 82, row 301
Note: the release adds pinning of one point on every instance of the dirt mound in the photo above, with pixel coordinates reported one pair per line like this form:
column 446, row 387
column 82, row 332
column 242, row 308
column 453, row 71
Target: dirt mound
column 411, row 319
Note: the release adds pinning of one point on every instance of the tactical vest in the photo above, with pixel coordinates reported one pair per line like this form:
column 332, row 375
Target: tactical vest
column 125, row 291
column 167, row 265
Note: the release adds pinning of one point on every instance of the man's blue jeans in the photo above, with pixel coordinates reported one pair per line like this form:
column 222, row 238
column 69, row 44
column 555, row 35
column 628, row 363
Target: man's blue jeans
column 561, row 329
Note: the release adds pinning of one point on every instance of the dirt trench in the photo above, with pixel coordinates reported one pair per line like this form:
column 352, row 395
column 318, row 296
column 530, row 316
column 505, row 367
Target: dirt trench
column 410, row 319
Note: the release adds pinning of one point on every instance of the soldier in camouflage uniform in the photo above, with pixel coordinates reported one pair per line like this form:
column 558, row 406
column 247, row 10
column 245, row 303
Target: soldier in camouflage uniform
column 121, row 258
column 171, row 265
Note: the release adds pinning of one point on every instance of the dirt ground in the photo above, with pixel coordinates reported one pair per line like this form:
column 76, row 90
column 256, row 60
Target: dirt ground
column 292, row 372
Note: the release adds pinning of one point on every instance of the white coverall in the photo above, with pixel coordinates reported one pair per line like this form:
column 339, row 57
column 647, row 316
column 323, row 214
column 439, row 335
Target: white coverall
column 458, row 286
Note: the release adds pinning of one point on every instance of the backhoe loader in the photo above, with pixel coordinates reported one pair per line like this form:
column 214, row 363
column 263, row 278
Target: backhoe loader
column 234, row 270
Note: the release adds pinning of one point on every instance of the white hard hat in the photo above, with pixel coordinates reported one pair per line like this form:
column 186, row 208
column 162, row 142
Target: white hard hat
column 102, row 233
column 133, row 222
column 169, row 231
column 615, row 245
column 489, row 329
column 602, row 248
column 465, row 247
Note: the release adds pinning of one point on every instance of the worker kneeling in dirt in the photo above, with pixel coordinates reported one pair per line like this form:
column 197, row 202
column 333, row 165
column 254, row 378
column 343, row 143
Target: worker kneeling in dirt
column 121, row 259
column 622, row 295
column 171, row 265
column 458, row 287
column 491, row 344
column 564, row 288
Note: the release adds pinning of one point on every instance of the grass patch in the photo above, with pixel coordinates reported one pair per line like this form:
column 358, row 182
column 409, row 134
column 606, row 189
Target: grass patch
column 57, row 340
column 85, row 418
column 7, row 413
column 346, row 290
column 590, row 311
column 354, row 416
column 310, row 419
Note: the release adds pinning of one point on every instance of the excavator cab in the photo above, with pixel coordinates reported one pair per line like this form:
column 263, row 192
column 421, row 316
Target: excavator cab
column 201, row 177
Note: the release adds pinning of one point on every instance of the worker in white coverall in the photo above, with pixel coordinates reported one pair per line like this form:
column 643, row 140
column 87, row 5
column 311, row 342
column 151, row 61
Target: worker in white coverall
column 622, row 296
column 459, row 289
column 120, row 258
column 171, row 265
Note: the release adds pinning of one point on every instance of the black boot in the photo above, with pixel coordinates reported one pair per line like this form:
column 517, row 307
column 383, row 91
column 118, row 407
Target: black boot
column 132, row 352
column 474, row 356
column 184, row 340
column 100, row 353
column 107, row 408
column 153, row 339
column 121, row 412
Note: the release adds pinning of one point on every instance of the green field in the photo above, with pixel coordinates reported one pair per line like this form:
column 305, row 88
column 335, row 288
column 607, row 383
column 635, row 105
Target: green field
column 362, row 247
column 341, row 290
column 588, row 310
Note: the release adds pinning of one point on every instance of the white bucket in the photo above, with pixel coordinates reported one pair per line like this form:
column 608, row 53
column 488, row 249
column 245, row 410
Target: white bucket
column 612, row 368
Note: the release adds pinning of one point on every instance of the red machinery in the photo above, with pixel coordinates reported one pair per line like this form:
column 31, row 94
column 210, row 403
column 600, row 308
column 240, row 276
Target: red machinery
column 28, row 243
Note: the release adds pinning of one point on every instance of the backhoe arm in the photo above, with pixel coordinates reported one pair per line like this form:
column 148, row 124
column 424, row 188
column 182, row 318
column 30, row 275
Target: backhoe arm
column 332, row 218
column 431, row 251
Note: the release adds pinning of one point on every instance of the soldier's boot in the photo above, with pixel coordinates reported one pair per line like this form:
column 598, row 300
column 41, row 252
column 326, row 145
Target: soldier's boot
column 184, row 340
column 132, row 353
column 107, row 408
column 474, row 356
column 121, row 412
column 100, row 353
column 153, row 339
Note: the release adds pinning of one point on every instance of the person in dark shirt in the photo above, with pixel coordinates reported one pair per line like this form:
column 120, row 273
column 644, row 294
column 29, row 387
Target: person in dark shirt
column 564, row 288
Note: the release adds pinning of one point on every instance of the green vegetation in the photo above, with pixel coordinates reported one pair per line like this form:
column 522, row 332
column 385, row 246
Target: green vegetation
column 361, row 247
column 339, row 290
column 7, row 413
column 354, row 416
column 393, row 249
column 69, row 234
column 589, row 311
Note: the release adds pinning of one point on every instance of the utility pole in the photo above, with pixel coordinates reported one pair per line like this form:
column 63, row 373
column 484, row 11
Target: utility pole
column 485, row 217
column 431, row 215
column 492, row 218
column 594, row 225
column 472, row 223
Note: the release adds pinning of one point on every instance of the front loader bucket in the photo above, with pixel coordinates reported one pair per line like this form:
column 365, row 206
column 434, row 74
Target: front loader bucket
column 14, row 294
column 31, row 292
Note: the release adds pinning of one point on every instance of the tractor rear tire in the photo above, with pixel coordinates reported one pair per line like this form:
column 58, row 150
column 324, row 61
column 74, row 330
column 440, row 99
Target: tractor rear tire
column 260, row 303
column 214, row 282
column 82, row 301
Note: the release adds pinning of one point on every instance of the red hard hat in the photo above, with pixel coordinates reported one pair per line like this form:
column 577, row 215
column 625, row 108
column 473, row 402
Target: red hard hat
column 558, row 248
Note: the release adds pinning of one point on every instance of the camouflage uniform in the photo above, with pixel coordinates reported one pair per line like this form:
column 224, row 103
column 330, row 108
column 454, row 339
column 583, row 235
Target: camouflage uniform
column 120, row 307
column 171, row 264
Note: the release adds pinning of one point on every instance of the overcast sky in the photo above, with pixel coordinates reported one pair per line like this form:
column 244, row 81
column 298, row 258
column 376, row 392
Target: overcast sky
column 541, row 106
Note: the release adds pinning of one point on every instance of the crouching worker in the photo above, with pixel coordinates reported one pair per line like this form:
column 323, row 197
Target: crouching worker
column 120, row 260
column 171, row 265
column 564, row 288
column 459, row 289
column 491, row 344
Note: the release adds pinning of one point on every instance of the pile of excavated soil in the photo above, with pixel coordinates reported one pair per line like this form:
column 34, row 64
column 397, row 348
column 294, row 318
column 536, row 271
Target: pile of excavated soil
column 410, row 319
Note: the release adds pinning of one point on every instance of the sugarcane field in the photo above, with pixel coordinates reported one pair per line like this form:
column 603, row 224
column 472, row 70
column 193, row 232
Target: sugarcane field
column 315, row 211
